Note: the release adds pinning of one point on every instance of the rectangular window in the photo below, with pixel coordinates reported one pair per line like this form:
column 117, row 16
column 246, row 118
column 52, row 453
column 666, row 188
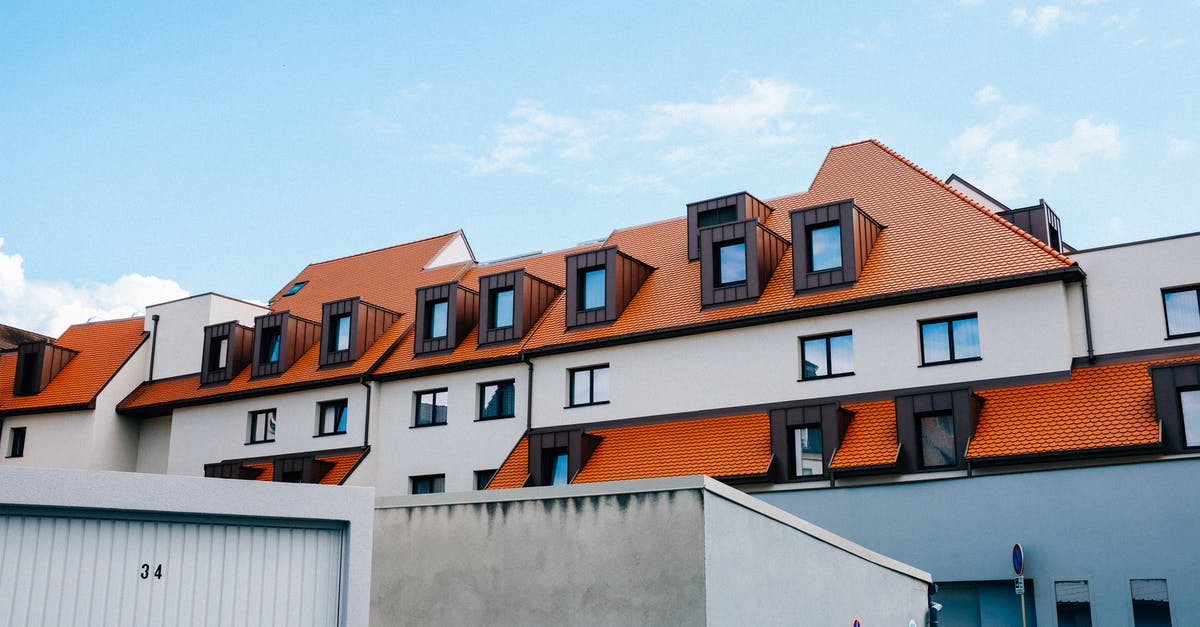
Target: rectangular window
column 806, row 443
column 333, row 416
column 827, row 356
column 1183, row 311
column 949, row 340
column 269, row 348
column 497, row 400
column 593, row 282
column 218, row 353
column 436, row 313
column 731, row 263
column 431, row 408
column 500, row 310
column 937, row 441
column 339, row 332
column 556, row 467
column 713, row 217
column 589, row 386
column 428, row 484
column 824, row 247
column 16, row 442
column 262, row 426
column 295, row 288
column 1189, row 403
column 1073, row 604
column 1151, row 607
column 483, row 478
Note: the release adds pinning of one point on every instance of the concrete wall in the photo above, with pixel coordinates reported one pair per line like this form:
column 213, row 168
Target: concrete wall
column 1022, row 331
column 1104, row 524
column 181, row 323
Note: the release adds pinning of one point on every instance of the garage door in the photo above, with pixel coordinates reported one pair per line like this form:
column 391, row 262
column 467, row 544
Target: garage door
column 60, row 567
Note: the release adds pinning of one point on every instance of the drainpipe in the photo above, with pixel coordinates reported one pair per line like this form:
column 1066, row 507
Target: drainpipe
column 153, row 344
column 528, row 394
column 1087, row 321
column 366, row 414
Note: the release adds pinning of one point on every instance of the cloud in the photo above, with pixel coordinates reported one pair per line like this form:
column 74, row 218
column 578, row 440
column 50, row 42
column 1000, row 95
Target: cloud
column 49, row 307
column 1044, row 19
column 1178, row 147
column 987, row 95
column 531, row 131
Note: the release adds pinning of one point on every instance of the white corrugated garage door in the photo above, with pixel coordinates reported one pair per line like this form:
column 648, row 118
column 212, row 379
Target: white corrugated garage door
column 60, row 568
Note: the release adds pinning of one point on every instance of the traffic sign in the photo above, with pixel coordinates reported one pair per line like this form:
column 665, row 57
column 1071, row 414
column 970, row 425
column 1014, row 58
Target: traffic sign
column 856, row 622
column 1019, row 584
column 1018, row 557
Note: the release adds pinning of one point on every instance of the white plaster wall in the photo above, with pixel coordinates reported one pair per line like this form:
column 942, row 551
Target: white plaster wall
column 1125, row 291
column 115, row 437
column 154, row 445
column 181, row 323
column 206, row 434
column 456, row 251
column 52, row 440
column 1022, row 331
column 456, row 449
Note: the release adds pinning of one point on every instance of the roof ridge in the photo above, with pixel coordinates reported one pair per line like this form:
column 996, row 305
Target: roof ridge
column 377, row 250
column 1054, row 253
column 643, row 225
column 97, row 322
column 854, row 143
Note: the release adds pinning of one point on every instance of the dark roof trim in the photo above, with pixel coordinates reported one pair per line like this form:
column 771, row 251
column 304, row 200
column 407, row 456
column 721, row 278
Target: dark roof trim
column 955, row 177
column 1146, row 354
column 321, row 453
column 1137, row 243
column 366, row 450
column 162, row 409
column 1043, row 456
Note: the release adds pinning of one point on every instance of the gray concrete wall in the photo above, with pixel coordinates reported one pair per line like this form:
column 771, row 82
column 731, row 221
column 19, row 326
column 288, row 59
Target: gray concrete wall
column 1104, row 524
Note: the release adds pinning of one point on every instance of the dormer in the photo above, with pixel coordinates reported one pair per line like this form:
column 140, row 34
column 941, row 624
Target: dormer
column 348, row 327
column 445, row 315
column 1039, row 221
column 600, row 283
column 37, row 364
column 737, row 260
column 510, row 303
column 723, row 210
column 227, row 349
column 555, row 457
column 830, row 245
column 279, row 340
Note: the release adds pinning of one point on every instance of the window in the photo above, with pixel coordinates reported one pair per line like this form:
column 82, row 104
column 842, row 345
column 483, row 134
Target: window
column 937, row 440
column 731, row 263
column 950, row 340
column 1189, row 405
column 806, row 446
column 483, row 478
column 218, row 353
column 1073, row 604
column 295, row 288
column 339, row 332
column 332, row 417
column 827, row 356
column 593, row 282
column 496, row 400
column 713, row 217
column 500, row 309
column 262, row 426
column 436, row 313
column 16, row 442
column 824, row 247
column 428, row 484
column 589, row 386
column 1182, row 307
column 269, row 351
column 556, row 467
column 431, row 408
column 1151, row 607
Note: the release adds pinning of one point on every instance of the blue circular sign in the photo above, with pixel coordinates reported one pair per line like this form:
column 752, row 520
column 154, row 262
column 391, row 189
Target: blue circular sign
column 856, row 622
column 1018, row 559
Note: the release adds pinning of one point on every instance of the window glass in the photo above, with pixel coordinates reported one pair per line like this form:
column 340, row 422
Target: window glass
column 951, row 339
column 816, row 358
column 589, row 385
column 270, row 345
column 333, row 417
column 501, row 308
column 341, row 332
column 1072, row 604
column 295, row 288
column 937, row 441
column 1151, row 607
column 1183, row 311
column 262, row 426
column 16, row 442
column 731, row 263
column 807, row 443
column 716, row 216
column 436, row 323
column 218, row 353
column 841, row 354
column 965, row 332
column 935, row 341
column 431, row 408
column 483, row 478
column 558, row 469
column 496, row 400
column 599, row 385
column 593, row 288
column 825, row 248
column 428, row 484
column 1189, row 402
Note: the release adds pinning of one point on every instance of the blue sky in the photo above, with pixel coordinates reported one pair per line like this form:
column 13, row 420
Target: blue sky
column 151, row 150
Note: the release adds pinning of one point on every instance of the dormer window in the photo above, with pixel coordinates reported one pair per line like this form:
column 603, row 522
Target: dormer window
column 832, row 243
column 435, row 319
column 226, row 351
column 279, row 340
column 731, row 263
column 339, row 332
column 600, row 283
column 737, row 261
column 934, row 429
column 350, row 326
column 555, row 457
column 269, row 347
column 713, row 217
column 1177, row 405
column 445, row 315
column 37, row 364
column 804, row 438
column 718, row 211
column 218, row 353
column 500, row 308
column 510, row 303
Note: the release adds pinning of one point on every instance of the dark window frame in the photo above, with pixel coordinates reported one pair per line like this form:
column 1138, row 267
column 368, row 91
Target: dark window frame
column 550, row 459
column 272, row 337
column 1167, row 320
column 949, row 322
column 1073, row 607
column 1183, row 428
column 828, row 355
column 808, row 234
column 1159, row 611
column 961, row 404
column 493, row 297
column 794, row 455
column 480, row 397
column 16, row 442
column 829, row 418
column 431, row 318
column 416, row 424
column 488, row 473
column 583, row 291
column 344, row 404
column 437, row 483
column 296, row 287
column 335, row 333
column 1170, row 381
column 591, row 385
column 269, row 416
column 924, row 464
column 718, row 247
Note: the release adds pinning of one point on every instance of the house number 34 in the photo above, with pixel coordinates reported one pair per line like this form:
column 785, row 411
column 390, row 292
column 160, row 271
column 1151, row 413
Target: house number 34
column 146, row 574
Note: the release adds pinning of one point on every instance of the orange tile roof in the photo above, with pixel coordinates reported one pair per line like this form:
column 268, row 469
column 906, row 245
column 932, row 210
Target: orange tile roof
column 103, row 348
column 1098, row 407
column 871, row 437
column 343, row 464
column 515, row 470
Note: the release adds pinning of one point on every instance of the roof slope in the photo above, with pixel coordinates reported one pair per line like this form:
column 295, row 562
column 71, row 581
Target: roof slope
column 11, row 337
column 103, row 348
column 871, row 437
column 343, row 465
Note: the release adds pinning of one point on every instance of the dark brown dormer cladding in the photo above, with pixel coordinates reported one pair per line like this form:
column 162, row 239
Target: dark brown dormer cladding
column 37, row 364
column 858, row 233
column 1169, row 380
column 461, row 315
column 531, row 297
column 367, row 323
column 962, row 405
column 239, row 346
column 577, row 444
column 764, row 249
column 833, row 422
column 296, row 336
column 1039, row 221
column 623, row 277
column 742, row 205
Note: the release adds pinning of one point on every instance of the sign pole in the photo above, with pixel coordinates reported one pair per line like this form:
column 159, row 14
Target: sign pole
column 1018, row 563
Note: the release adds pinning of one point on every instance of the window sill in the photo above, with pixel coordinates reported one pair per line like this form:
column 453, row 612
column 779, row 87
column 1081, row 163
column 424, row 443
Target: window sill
column 586, row 404
column 1182, row 335
column 952, row 361
column 14, row 456
column 260, row 442
column 432, row 424
column 325, row 435
column 491, row 418
column 828, row 376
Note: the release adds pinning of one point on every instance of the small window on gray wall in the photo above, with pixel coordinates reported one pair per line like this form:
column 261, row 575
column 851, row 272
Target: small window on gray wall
column 826, row 356
column 1182, row 308
column 483, row 478
column 1151, row 607
column 949, row 340
column 1073, row 604
column 431, row 408
column 428, row 484
column 497, row 400
column 589, row 386
column 16, row 442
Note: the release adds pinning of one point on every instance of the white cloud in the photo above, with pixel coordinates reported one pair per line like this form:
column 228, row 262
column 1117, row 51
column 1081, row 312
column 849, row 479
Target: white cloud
column 532, row 130
column 975, row 139
column 987, row 95
column 49, row 307
column 1178, row 147
column 1043, row 20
